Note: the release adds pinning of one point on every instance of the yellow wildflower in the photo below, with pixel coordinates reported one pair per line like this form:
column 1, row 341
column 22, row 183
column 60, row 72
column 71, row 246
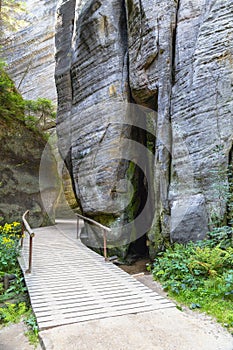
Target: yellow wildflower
column 8, row 242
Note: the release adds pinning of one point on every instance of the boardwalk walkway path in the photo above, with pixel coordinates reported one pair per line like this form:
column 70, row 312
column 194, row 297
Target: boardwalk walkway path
column 70, row 283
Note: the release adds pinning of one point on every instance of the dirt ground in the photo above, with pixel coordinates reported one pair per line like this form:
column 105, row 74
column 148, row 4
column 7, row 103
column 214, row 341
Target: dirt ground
column 138, row 267
column 13, row 337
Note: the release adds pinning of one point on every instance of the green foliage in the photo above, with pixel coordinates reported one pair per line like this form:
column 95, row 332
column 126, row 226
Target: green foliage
column 39, row 114
column 12, row 313
column 9, row 250
column 33, row 329
column 222, row 236
column 11, row 102
column 200, row 274
column 172, row 268
column 42, row 107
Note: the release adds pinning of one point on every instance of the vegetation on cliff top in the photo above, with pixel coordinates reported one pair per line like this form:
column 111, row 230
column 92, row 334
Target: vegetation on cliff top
column 11, row 102
column 37, row 115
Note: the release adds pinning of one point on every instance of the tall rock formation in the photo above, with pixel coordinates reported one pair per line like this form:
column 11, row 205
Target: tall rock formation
column 83, row 79
column 201, row 105
column 174, row 58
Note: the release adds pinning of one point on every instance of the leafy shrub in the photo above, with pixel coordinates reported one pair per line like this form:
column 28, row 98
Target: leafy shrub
column 200, row 274
column 11, row 102
column 172, row 268
column 9, row 247
column 39, row 114
column 12, row 313
column 222, row 236
column 9, row 252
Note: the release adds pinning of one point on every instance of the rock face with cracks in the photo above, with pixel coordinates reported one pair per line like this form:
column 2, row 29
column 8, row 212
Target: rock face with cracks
column 20, row 185
column 173, row 58
column 29, row 52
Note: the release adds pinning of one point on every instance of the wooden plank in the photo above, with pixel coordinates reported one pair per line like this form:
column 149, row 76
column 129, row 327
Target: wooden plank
column 59, row 322
column 64, row 304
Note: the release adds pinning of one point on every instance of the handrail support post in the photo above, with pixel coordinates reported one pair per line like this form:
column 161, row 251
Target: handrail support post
column 22, row 234
column 105, row 246
column 104, row 228
column 77, row 228
column 27, row 228
column 29, row 270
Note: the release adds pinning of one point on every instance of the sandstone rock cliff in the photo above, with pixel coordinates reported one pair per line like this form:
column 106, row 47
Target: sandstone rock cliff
column 201, row 105
column 173, row 57
column 20, row 190
column 30, row 55
column 22, row 183
column 30, row 52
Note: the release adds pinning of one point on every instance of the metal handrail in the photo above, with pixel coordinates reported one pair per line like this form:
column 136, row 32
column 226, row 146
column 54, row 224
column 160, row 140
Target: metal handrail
column 104, row 228
column 26, row 228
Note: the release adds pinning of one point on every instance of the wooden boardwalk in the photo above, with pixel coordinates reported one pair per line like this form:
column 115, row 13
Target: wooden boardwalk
column 70, row 283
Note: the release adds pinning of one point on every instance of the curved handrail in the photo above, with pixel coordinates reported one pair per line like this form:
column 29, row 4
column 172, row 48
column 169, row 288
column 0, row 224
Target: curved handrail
column 26, row 228
column 104, row 228
column 26, row 224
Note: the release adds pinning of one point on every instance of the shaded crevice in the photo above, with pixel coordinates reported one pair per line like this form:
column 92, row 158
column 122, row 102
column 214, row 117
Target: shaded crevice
column 69, row 166
column 143, row 178
column 124, row 36
column 230, row 184
column 138, row 247
column 140, row 34
column 174, row 42
column 173, row 81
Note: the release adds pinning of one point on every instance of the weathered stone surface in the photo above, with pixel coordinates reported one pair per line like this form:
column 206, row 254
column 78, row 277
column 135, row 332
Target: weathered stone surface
column 91, row 71
column 30, row 55
column 20, row 152
column 202, row 105
column 194, row 212
column 174, row 57
column 150, row 31
column 30, row 52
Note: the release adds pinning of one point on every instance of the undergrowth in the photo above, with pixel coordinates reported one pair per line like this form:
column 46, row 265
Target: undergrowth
column 200, row 274
column 14, row 302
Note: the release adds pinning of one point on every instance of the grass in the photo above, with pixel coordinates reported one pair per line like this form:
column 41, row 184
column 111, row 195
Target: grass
column 220, row 309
